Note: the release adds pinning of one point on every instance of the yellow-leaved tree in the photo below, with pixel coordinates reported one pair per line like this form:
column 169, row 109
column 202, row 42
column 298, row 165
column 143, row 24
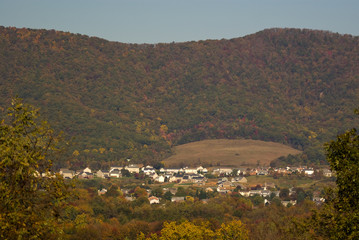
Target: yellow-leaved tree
column 31, row 195
column 187, row 230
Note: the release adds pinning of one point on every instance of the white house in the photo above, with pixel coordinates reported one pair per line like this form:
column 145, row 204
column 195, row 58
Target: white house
column 66, row 173
column 309, row 172
column 148, row 170
column 87, row 170
column 190, row 170
column 115, row 173
column 172, row 179
column 225, row 171
column 160, row 179
column 133, row 168
column 154, row 176
column 102, row 191
column 170, row 170
column 113, row 168
column 154, row 200
column 327, row 173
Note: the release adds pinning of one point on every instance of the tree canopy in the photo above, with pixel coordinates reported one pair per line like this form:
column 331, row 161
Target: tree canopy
column 339, row 217
column 31, row 195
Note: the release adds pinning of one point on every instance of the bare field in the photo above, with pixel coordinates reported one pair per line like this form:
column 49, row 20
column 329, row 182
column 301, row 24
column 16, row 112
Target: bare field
column 224, row 152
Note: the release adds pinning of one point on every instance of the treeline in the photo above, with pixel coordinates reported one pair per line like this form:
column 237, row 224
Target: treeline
column 120, row 101
column 113, row 216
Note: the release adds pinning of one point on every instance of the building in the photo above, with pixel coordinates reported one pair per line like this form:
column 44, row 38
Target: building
column 154, row 200
column 66, row 173
column 133, row 168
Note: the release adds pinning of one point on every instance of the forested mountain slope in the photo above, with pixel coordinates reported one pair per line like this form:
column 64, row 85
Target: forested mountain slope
column 119, row 101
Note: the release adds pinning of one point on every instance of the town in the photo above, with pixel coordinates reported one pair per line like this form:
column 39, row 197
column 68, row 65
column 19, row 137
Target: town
column 208, row 182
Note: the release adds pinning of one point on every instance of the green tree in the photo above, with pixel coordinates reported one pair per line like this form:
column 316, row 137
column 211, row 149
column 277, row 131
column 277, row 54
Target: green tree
column 168, row 195
column 339, row 218
column 181, row 192
column 113, row 191
column 158, row 192
column 284, row 194
column 31, row 195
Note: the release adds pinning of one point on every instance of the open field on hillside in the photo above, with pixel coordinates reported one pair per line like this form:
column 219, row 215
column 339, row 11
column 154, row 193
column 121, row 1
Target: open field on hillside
column 224, row 152
column 292, row 181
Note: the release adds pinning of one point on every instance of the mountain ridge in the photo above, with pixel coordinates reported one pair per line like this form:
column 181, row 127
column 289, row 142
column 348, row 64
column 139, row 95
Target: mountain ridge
column 292, row 86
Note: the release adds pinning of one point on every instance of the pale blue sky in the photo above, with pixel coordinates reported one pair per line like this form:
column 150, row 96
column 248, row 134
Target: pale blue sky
column 153, row 21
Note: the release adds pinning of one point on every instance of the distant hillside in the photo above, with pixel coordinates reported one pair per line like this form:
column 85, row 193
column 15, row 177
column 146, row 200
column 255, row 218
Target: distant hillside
column 224, row 152
column 119, row 101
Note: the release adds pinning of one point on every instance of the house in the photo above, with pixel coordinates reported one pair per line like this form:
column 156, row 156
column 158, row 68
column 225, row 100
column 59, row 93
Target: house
column 309, row 172
column 160, row 179
column 292, row 202
column 130, row 199
column 66, row 173
column 327, row 173
column 113, row 168
column 85, row 175
column 87, row 170
column 133, row 168
column 244, row 193
column 190, row 170
column 173, row 190
column 148, row 170
column 102, row 191
column 223, row 190
column 224, row 179
column 225, row 171
column 198, row 179
column 115, row 173
column 177, row 199
column 239, row 180
column 226, row 185
column 209, row 189
column 262, row 172
column 174, row 170
column 186, row 179
column 242, row 171
column 253, row 172
column 265, row 193
column 102, row 174
column 242, row 180
column 154, row 200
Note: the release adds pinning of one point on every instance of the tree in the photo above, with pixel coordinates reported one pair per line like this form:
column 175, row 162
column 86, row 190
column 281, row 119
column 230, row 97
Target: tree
column 186, row 230
column 168, row 195
column 284, row 194
column 158, row 192
column 200, row 230
column 113, row 191
column 232, row 230
column 31, row 195
column 343, row 156
column 339, row 218
column 125, row 173
column 140, row 192
column 181, row 192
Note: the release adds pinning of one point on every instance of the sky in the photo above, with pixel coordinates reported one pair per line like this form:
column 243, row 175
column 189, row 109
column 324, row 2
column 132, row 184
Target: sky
column 164, row 21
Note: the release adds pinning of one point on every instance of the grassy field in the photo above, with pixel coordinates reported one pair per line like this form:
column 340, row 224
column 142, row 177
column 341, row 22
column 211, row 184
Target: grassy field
column 224, row 152
column 292, row 181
